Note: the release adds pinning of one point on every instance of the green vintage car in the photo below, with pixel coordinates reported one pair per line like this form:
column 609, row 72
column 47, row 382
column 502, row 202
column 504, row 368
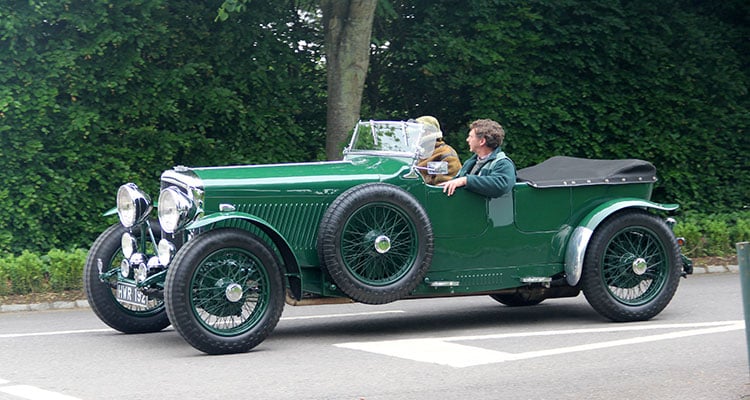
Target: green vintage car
column 232, row 245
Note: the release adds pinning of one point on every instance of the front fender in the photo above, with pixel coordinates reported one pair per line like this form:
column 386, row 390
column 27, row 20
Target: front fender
column 226, row 216
column 291, row 264
column 581, row 236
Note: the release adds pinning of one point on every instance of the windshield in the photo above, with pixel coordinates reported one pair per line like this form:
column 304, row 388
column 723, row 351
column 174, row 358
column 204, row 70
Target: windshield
column 398, row 138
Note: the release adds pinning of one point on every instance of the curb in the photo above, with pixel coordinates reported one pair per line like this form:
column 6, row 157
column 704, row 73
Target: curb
column 70, row 305
column 55, row 305
column 716, row 269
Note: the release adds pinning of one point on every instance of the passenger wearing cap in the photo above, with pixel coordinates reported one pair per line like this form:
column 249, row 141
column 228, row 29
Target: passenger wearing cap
column 442, row 152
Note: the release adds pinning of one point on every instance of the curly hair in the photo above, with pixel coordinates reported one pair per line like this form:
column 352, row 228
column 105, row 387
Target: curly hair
column 492, row 132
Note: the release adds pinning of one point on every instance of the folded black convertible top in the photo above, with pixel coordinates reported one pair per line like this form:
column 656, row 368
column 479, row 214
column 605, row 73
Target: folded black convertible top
column 571, row 171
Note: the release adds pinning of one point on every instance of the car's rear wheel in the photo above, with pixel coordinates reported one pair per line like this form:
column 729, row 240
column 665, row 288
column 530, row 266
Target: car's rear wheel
column 376, row 242
column 124, row 317
column 224, row 291
column 632, row 267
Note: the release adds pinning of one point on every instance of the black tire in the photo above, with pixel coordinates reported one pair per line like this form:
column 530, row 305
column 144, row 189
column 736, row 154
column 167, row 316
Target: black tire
column 101, row 296
column 224, row 291
column 632, row 267
column 376, row 242
column 521, row 298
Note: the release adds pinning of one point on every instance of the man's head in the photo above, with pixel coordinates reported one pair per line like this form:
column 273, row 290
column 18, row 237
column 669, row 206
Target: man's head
column 485, row 132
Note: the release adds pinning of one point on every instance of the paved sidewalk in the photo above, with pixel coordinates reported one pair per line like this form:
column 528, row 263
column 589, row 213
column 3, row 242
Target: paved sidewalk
column 66, row 305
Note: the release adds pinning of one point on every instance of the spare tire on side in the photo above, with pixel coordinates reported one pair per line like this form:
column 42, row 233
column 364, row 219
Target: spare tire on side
column 376, row 242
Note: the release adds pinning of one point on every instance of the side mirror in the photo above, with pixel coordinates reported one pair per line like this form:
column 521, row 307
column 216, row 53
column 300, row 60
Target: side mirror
column 437, row 168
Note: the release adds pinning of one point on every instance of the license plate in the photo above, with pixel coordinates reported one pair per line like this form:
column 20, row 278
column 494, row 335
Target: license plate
column 128, row 293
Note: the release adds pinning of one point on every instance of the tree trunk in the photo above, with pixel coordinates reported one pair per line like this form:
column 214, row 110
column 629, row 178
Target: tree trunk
column 348, row 27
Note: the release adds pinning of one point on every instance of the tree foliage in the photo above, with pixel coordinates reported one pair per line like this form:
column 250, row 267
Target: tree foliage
column 94, row 94
column 664, row 81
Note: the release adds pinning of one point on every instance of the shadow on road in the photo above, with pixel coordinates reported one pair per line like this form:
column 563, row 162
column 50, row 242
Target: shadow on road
column 442, row 319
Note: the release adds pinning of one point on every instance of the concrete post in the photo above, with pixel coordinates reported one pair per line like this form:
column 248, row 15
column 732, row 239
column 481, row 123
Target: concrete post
column 743, row 258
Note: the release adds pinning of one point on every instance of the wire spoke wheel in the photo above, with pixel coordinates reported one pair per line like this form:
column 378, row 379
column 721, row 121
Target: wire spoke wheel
column 635, row 266
column 378, row 244
column 225, row 291
column 229, row 291
column 106, row 255
column 632, row 266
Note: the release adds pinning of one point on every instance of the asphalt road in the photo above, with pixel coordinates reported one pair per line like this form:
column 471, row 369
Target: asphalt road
column 463, row 348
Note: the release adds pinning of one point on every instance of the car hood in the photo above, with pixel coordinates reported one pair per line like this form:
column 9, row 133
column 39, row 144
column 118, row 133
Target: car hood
column 312, row 178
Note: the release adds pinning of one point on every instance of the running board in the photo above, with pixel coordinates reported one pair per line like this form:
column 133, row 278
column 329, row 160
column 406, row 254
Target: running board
column 544, row 280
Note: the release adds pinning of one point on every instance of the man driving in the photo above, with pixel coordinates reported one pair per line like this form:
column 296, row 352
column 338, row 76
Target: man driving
column 489, row 171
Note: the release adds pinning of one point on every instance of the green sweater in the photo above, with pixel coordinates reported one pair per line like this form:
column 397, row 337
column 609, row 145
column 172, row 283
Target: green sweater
column 496, row 177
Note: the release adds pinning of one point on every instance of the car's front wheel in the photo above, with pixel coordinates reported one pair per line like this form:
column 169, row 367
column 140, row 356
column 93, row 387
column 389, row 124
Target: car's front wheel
column 632, row 267
column 101, row 288
column 224, row 291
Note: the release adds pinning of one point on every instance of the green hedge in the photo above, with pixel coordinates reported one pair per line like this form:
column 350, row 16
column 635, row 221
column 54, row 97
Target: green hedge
column 55, row 271
column 98, row 93
column 713, row 235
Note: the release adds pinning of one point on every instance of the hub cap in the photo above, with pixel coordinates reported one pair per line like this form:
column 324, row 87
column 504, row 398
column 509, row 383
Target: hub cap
column 382, row 244
column 233, row 292
column 640, row 266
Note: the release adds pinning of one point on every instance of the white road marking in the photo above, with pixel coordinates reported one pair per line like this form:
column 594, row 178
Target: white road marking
column 442, row 351
column 53, row 333
column 74, row 332
column 34, row 393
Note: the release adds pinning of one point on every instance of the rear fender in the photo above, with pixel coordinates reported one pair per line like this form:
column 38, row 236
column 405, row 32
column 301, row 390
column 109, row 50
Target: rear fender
column 291, row 265
column 579, row 239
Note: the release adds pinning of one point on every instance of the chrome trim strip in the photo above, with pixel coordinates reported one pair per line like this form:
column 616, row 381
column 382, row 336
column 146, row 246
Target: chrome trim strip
column 183, row 177
column 382, row 153
column 536, row 279
column 445, row 284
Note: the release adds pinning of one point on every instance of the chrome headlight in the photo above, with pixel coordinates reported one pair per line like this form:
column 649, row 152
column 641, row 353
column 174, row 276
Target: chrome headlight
column 125, row 268
column 133, row 205
column 128, row 244
column 175, row 209
column 165, row 251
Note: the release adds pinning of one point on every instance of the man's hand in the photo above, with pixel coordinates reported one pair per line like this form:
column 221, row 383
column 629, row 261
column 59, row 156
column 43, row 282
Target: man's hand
column 450, row 186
